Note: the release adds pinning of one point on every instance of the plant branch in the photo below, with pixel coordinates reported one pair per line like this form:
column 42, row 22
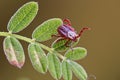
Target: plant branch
column 29, row 40
column 16, row 36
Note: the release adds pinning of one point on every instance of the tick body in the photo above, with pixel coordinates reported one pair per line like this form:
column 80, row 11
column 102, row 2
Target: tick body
column 66, row 31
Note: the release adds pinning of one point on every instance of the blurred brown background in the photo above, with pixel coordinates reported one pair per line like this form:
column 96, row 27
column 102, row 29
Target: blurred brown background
column 102, row 42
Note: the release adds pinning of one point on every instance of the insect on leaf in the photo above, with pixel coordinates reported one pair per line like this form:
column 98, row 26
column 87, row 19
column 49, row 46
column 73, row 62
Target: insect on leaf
column 60, row 44
column 66, row 70
column 54, row 66
column 37, row 57
column 23, row 17
column 14, row 51
column 78, row 70
column 76, row 54
column 44, row 31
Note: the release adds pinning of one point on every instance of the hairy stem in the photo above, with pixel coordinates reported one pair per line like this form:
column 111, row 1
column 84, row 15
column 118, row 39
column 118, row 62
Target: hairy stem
column 29, row 40
column 16, row 36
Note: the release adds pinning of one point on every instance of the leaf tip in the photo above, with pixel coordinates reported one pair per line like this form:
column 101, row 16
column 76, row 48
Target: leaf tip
column 33, row 3
column 17, row 64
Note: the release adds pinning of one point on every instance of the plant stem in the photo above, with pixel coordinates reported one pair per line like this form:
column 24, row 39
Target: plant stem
column 29, row 40
column 61, row 56
column 16, row 36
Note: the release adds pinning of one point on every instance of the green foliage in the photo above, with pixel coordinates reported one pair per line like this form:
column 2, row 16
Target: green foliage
column 37, row 57
column 60, row 44
column 54, row 66
column 23, row 17
column 78, row 70
column 14, row 51
column 66, row 70
column 44, row 31
column 76, row 53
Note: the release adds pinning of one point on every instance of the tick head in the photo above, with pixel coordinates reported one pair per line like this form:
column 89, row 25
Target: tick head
column 72, row 35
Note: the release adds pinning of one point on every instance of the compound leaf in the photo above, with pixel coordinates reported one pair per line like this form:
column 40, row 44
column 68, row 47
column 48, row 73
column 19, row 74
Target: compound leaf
column 37, row 57
column 44, row 31
column 76, row 53
column 23, row 17
column 14, row 51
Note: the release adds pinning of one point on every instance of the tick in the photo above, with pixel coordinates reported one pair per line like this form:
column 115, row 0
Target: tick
column 67, row 32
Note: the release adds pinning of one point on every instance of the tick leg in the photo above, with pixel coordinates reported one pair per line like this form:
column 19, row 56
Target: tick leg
column 66, row 44
column 82, row 30
column 67, row 21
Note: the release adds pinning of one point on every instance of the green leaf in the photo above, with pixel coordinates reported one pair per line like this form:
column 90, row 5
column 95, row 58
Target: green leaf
column 23, row 17
column 78, row 70
column 76, row 54
column 54, row 66
column 14, row 51
column 44, row 31
column 59, row 44
column 66, row 70
column 37, row 57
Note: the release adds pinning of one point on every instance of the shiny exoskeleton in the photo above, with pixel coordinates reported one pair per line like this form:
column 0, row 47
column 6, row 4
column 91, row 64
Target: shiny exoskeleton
column 66, row 31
